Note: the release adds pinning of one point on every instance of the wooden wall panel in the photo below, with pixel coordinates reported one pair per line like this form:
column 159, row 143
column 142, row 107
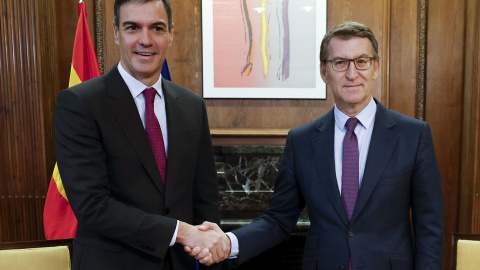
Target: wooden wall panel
column 26, row 80
column 21, row 218
column 444, row 97
column 112, row 52
column 403, row 56
column 185, row 54
column 469, row 203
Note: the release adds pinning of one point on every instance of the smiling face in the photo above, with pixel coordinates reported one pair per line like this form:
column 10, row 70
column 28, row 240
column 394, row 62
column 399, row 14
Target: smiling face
column 352, row 89
column 144, row 38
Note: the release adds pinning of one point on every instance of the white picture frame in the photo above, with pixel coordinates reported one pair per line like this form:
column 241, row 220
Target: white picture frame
column 284, row 32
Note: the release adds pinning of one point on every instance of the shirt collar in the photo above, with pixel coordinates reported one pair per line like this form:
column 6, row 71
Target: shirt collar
column 135, row 86
column 365, row 117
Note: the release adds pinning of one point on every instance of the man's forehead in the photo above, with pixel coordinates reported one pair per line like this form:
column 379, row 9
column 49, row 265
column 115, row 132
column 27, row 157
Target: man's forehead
column 350, row 47
column 156, row 3
column 133, row 11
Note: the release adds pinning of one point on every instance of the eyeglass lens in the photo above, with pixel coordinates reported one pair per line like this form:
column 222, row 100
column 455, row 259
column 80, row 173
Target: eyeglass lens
column 361, row 63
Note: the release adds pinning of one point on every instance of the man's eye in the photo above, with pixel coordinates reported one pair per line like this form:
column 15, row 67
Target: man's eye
column 339, row 62
column 361, row 61
column 132, row 27
column 159, row 29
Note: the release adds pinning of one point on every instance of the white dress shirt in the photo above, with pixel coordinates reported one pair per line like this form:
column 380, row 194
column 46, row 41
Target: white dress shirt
column 363, row 131
column 136, row 89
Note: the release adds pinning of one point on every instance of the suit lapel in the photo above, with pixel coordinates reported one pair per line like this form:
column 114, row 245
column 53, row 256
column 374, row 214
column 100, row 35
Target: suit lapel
column 123, row 107
column 175, row 123
column 382, row 144
column 323, row 149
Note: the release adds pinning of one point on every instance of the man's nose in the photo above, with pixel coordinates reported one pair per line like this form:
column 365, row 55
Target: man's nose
column 145, row 38
column 352, row 71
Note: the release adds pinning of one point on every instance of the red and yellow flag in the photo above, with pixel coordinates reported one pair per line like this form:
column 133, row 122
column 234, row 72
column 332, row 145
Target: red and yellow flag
column 58, row 219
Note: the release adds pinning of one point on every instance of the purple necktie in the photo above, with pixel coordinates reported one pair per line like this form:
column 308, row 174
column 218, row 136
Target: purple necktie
column 350, row 168
column 154, row 132
column 350, row 172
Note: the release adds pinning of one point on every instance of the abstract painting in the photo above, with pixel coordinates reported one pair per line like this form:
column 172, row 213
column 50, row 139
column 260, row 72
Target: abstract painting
column 263, row 48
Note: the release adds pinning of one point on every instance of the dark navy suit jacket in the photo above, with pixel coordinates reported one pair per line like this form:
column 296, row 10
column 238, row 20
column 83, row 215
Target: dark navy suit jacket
column 401, row 174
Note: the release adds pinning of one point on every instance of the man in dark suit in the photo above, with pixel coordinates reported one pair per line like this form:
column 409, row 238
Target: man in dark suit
column 359, row 181
column 135, row 192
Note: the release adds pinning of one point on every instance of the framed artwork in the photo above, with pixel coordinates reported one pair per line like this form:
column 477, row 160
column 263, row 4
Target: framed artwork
column 263, row 49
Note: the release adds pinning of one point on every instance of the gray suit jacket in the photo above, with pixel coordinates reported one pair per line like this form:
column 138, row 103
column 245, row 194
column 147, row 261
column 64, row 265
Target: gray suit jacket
column 401, row 174
column 126, row 215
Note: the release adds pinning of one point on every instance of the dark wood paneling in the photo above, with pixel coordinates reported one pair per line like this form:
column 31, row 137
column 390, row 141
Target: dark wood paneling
column 403, row 56
column 185, row 54
column 28, row 84
column 112, row 52
column 21, row 218
column 469, row 204
column 21, row 93
column 48, row 82
column 444, row 97
column 223, row 137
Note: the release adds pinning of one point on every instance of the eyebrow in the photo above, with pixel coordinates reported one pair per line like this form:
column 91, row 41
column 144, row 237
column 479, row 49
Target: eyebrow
column 161, row 23
column 361, row 56
column 129, row 23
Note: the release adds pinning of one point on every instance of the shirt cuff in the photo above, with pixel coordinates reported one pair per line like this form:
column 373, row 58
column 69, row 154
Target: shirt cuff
column 234, row 249
column 172, row 242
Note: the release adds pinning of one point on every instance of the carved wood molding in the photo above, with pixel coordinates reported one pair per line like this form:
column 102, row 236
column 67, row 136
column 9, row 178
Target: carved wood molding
column 385, row 65
column 248, row 132
column 99, row 35
column 421, row 60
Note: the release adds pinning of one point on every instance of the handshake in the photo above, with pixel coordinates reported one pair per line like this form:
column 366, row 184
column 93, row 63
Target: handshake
column 206, row 242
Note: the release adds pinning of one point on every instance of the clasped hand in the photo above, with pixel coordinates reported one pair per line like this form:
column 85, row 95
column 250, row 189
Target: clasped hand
column 209, row 244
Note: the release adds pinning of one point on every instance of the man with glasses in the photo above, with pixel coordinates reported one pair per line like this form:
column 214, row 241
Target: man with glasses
column 368, row 176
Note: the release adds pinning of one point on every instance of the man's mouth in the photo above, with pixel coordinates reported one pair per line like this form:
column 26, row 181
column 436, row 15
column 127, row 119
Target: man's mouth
column 144, row 53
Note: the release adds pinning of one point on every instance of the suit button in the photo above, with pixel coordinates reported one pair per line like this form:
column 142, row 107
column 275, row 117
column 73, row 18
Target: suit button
column 167, row 211
column 351, row 234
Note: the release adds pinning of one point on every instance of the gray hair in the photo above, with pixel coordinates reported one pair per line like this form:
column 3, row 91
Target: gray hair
column 346, row 31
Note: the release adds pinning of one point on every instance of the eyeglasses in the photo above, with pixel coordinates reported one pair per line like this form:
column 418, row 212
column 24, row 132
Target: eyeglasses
column 342, row 64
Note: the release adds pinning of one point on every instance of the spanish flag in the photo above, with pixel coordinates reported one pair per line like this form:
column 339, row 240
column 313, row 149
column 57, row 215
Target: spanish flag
column 58, row 219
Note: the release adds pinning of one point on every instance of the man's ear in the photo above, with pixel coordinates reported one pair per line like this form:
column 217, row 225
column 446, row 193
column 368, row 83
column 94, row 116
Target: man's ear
column 376, row 71
column 115, row 33
column 171, row 34
column 323, row 71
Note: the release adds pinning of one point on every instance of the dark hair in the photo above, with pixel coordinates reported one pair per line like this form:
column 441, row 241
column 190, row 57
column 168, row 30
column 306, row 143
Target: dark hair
column 346, row 31
column 119, row 3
